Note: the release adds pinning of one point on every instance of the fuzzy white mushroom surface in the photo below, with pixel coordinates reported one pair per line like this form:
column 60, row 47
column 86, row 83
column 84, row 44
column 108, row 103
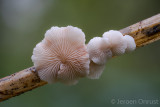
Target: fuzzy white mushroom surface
column 96, row 70
column 99, row 50
column 118, row 44
column 99, row 53
column 131, row 45
column 62, row 55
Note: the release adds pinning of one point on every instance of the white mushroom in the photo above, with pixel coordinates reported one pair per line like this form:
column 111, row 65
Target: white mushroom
column 99, row 52
column 118, row 44
column 131, row 45
column 101, row 49
column 96, row 70
column 62, row 55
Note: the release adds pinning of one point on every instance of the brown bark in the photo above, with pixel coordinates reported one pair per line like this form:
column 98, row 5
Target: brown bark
column 19, row 83
column 144, row 32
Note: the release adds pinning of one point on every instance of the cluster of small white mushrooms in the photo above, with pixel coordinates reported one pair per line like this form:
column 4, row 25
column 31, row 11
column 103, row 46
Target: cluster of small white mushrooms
column 101, row 49
column 62, row 55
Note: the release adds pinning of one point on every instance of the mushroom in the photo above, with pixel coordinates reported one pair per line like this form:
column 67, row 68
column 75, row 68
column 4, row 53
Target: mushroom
column 96, row 70
column 62, row 55
column 131, row 45
column 118, row 44
column 99, row 52
column 102, row 49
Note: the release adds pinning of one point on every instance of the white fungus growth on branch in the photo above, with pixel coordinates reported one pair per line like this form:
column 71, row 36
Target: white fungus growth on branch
column 62, row 55
column 99, row 52
column 101, row 49
column 118, row 44
column 95, row 70
column 131, row 45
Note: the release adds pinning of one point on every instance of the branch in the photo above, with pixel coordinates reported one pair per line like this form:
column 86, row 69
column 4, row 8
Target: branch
column 19, row 83
column 144, row 32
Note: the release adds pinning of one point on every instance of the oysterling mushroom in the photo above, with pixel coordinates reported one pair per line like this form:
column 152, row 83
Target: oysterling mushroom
column 101, row 49
column 62, row 55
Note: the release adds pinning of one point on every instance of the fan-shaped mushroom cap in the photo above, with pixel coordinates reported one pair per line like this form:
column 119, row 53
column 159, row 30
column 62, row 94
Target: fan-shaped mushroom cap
column 62, row 55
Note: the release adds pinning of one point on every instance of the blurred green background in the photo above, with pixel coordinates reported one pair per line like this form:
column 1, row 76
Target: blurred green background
column 132, row 76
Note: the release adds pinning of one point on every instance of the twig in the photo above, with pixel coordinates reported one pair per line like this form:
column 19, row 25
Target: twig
column 144, row 32
column 19, row 83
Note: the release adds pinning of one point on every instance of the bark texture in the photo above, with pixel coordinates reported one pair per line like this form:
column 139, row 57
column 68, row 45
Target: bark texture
column 19, row 83
column 144, row 32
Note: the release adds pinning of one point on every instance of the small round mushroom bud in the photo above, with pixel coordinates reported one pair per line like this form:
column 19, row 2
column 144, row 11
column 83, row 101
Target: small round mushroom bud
column 99, row 50
column 131, row 45
column 62, row 55
column 95, row 70
column 118, row 44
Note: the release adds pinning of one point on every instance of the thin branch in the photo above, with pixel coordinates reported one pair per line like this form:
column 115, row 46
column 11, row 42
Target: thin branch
column 144, row 32
column 19, row 83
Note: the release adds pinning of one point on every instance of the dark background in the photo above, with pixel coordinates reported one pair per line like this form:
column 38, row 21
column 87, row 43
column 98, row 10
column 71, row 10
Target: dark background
column 132, row 76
